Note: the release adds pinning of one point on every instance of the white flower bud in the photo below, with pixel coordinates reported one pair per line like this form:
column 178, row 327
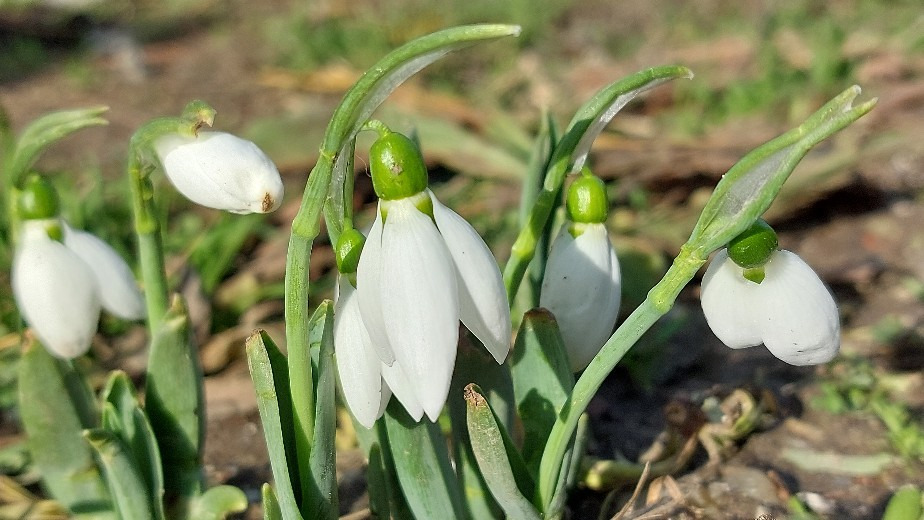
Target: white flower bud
column 55, row 291
column 221, row 171
column 790, row 311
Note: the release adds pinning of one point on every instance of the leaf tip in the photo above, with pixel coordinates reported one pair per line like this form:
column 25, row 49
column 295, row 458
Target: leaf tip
column 473, row 395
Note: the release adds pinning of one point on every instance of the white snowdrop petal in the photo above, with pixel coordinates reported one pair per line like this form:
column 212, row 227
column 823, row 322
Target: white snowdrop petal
column 582, row 288
column 118, row 291
column 800, row 323
column 369, row 292
column 55, row 292
column 401, row 386
column 483, row 303
column 222, row 171
column 420, row 302
column 731, row 303
column 357, row 363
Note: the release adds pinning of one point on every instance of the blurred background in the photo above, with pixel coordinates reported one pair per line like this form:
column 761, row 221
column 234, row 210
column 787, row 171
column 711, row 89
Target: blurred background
column 275, row 70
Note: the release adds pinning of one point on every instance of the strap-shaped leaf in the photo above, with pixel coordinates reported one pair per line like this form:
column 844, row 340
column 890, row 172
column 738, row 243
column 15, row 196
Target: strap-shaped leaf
column 323, row 502
column 271, row 510
column 570, row 155
column 746, row 191
column 44, row 131
column 271, row 382
column 542, row 380
column 493, row 457
column 175, row 405
column 129, row 491
column 55, row 407
column 422, row 464
column 123, row 416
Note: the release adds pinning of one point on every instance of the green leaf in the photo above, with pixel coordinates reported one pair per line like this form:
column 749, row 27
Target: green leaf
column 905, row 504
column 570, row 155
column 125, row 482
column 271, row 382
column 175, row 405
column 124, row 417
column 749, row 187
column 218, row 502
column 55, row 407
column 542, row 380
column 43, row 132
column 321, row 500
column 493, row 458
column 422, row 464
column 377, row 483
column 271, row 510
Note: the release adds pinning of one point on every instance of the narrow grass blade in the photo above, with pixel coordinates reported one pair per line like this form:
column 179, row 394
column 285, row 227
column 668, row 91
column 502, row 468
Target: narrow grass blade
column 493, row 458
column 128, row 489
column 424, row 470
column 542, row 381
column 271, row 382
column 55, row 407
column 175, row 405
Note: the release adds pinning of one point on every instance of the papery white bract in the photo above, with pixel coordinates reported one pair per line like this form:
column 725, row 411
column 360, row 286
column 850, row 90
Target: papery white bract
column 790, row 311
column 118, row 291
column 582, row 288
column 221, row 171
column 416, row 279
column 55, row 291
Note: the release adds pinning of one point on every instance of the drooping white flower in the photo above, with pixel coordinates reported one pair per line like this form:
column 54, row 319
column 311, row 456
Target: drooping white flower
column 118, row 291
column 221, row 171
column 582, row 288
column 60, row 287
column 790, row 310
column 55, row 291
column 417, row 277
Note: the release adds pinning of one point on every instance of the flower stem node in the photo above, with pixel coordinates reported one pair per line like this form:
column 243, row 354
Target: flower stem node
column 398, row 169
column 587, row 201
column 37, row 199
column 790, row 311
column 60, row 285
column 221, row 171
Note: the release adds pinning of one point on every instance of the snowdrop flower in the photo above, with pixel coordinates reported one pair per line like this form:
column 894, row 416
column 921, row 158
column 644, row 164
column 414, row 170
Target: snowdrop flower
column 753, row 293
column 221, row 171
column 582, row 286
column 421, row 271
column 61, row 277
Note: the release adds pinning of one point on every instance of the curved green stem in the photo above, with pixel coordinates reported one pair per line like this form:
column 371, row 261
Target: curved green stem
column 150, row 248
column 660, row 300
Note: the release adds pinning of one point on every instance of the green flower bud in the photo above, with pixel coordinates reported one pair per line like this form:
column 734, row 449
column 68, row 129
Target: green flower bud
column 349, row 247
column 397, row 166
column 587, row 202
column 37, row 199
column 751, row 249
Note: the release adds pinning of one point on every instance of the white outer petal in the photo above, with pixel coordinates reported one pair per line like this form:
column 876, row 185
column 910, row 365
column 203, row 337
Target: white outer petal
column 369, row 291
column 582, row 288
column 357, row 362
column 729, row 302
column 799, row 320
column 403, row 389
column 221, row 171
column 118, row 290
column 55, row 292
column 482, row 296
column 420, row 302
